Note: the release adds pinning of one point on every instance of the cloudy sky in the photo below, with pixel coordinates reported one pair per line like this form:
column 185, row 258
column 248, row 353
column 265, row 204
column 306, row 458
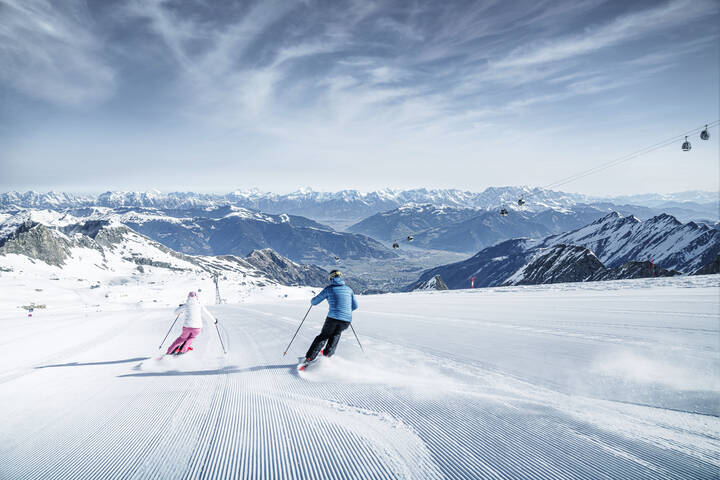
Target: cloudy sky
column 214, row 96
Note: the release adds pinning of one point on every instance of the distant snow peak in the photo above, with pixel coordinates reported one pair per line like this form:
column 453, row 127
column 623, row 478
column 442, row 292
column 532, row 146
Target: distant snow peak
column 613, row 247
column 672, row 244
column 304, row 201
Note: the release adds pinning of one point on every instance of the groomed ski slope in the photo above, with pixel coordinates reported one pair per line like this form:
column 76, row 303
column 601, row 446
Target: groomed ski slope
column 571, row 381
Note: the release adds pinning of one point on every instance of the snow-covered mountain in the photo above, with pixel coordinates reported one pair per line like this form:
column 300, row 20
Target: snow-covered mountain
column 570, row 263
column 228, row 230
column 411, row 218
column 471, row 229
column 156, row 199
column 558, row 264
column 605, row 249
column 49, row 200
column 491, row 266
column 237, row 231
column 107, row 249
column 673, row 245
column 353, row 205
column 488, row 228
column 344, row 204
column 285, row 271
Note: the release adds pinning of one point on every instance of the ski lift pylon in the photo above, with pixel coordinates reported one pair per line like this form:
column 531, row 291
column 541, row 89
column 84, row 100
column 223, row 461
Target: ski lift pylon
column 686, row 146
column 705, row 135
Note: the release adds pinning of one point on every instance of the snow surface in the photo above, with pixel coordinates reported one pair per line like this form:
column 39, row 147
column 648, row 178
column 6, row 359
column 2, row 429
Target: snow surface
column 600, row 380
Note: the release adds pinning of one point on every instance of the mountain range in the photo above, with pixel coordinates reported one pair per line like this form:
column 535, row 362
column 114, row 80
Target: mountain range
column 353, row 205
column 109, row 247
column 467, row 230
column 232, row 230
column 611, row 247
column 425, row 223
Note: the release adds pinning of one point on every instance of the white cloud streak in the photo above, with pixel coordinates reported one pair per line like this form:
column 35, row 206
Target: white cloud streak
column 622, row 29
column 50, row 53
column 348, row 79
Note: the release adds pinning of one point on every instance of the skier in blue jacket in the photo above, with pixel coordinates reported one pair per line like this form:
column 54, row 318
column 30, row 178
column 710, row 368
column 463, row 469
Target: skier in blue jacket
column 342, row 302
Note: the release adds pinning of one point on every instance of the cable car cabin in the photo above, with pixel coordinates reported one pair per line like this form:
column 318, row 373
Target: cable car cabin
column 521, row 202
column 503, row 212
column 686, row 145
column 396, row 245
column 705, row 135
column 410, row 238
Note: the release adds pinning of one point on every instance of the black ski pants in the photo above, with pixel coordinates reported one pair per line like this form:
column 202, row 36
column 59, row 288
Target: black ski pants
column 330, row 333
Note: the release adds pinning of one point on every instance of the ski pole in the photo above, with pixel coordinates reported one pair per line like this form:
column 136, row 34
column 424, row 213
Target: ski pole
column 356, row 338
column 168, row 333
column 296, row 331
column 220, row 337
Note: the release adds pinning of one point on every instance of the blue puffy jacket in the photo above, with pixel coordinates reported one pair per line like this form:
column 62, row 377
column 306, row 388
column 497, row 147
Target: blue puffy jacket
column 341, row 299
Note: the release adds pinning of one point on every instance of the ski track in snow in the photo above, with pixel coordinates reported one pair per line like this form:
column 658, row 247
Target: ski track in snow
column 433, row 400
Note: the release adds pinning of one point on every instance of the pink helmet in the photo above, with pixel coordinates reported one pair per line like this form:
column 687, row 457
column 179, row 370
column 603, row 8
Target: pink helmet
column 192, row 294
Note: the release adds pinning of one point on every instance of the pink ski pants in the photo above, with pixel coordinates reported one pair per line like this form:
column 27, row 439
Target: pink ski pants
column 185, row 339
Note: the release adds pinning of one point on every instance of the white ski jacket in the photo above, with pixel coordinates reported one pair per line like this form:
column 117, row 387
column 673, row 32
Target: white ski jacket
column 194, row 313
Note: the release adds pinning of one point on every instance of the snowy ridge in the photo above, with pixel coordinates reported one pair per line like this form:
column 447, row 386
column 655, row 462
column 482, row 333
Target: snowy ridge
column 374, row 201
column 106, row 251
column 411, row 218
column 49, row 200
column 469, row 230
column 673, row 245
column 226, row 230
column 141, row 216
column 596, row 251
column 9, row 223
column 558, row 264
column 268, row 201
column 353, row 205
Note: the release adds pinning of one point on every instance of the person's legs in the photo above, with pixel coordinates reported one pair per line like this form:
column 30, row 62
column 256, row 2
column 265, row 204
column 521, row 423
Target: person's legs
column 192, row 333
column 180, row 340
column 333, row 341
column 317, row 344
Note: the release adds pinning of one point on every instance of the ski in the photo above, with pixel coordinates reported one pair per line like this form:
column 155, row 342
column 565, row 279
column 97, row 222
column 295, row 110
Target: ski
column 174, row 353
column 305, row 364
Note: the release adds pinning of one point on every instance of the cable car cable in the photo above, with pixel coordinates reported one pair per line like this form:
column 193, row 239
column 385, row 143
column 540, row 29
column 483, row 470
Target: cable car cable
column 625, row 158
column 628, row 157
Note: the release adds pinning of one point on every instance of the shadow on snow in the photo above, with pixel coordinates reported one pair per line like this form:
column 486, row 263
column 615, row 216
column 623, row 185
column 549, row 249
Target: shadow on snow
column 109, row 362
column 217, row 371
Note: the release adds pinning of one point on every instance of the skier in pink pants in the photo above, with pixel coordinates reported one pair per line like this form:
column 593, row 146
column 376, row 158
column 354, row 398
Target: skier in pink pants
column 194, row 313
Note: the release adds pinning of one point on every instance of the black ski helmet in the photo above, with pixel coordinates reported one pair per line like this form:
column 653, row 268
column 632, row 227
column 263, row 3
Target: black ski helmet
column 334, row 273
